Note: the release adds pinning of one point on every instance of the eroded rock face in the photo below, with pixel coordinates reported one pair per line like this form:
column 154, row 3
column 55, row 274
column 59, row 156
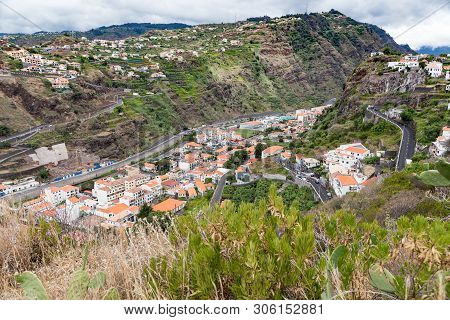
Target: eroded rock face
column 29, row 94
column 117, row 143
column 372, row 80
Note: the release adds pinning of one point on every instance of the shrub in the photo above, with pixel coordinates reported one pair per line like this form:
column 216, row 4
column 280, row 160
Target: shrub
column 270, row 251
column 78, row 287
column 4, row 130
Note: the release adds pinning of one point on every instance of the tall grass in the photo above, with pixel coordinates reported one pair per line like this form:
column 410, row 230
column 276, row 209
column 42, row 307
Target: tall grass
column 51, row 253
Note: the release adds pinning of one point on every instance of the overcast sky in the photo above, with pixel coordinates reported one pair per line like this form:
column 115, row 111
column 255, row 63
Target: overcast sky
column 395, row 16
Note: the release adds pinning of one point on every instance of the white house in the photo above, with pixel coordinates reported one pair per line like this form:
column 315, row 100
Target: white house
column 440, row 147
column 311, row 163
column 347, row 155
column 434, row 69
column 343, row 184
column 10, row 187
column 272, row 151
column 71, row 211
column 56, row 195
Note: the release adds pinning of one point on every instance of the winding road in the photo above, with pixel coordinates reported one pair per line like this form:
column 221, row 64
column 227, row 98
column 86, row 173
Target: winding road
column 162, row 144
column 302, row 175
column 157, row 147
column 217, row 196
column 408, row 142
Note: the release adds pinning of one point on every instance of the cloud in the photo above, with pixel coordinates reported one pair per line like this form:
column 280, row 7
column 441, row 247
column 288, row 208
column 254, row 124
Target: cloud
column 395, row 16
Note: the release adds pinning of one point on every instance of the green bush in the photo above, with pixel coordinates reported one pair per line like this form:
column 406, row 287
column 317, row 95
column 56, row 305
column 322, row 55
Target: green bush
column 4, row 130
column 270, row 251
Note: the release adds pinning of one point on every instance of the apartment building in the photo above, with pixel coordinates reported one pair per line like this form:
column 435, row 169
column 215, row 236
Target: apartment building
column 434, row 69
column 56, row 195
column 347, row 155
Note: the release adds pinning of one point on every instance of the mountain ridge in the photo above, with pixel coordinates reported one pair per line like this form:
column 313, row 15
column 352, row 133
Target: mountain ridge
column 279, row 64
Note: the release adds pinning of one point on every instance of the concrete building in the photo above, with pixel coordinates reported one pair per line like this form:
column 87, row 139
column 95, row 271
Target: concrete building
column 44, row 155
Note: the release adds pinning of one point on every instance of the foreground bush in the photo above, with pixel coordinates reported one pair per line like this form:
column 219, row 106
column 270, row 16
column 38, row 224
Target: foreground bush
column 269, row 251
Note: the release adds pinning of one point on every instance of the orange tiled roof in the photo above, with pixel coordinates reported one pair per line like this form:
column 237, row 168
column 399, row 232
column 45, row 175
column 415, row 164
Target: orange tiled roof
column 168, row 205
column 192, row 192
column 117, row 208
column 346, row 180
column 356, row 150
column 200, row 185
column 370, row 181
column 74, row 199
column 273, row 149
column 152, row 183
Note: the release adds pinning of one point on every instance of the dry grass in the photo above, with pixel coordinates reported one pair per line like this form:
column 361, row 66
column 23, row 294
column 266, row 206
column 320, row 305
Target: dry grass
column 122, row 256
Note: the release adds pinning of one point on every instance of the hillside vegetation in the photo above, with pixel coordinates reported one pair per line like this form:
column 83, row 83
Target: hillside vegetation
column 262, row 250
column 279, row 64
column 371, row 83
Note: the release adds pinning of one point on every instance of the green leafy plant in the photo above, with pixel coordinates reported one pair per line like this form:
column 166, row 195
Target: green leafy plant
column 439, row 177
column 382, row 279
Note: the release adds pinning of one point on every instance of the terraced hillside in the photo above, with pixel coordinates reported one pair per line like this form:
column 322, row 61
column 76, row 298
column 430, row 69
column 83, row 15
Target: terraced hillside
column 224, row 70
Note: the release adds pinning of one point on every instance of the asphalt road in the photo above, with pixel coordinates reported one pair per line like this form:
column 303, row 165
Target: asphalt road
column 159, row 146
column 162, row 144
column 12, row 154
column 408, row 142
column 217, row 196
column 320, row 190
column 24, row 134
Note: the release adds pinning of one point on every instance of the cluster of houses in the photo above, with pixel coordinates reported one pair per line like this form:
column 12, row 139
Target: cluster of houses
column 407, row 61
column 115, row 202
column 13, row 186
column 344, row 165
column 57, row 72
column 134, row 57
column 191, row 170
column 434, row 68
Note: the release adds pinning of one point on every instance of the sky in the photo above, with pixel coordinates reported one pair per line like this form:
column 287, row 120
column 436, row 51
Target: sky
column 394, row 16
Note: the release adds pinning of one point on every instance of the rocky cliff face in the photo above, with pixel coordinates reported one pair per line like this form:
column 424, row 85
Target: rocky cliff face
column 371, row 83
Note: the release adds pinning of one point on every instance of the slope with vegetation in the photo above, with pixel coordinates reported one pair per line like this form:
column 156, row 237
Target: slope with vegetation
column 281, row 64
column 378, row 244
column 372, row 83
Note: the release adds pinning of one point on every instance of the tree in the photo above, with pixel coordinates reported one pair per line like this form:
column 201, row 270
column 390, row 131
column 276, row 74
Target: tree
column 163, row 166
column 258, row 150
column 160, row 220
column 238, row 158
column 372, row 160
column 144, row 211
column 407, row 115
column 87, row 185
column 190, row 137
column 5, row 145
column 4, row 130
column 43, row 174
